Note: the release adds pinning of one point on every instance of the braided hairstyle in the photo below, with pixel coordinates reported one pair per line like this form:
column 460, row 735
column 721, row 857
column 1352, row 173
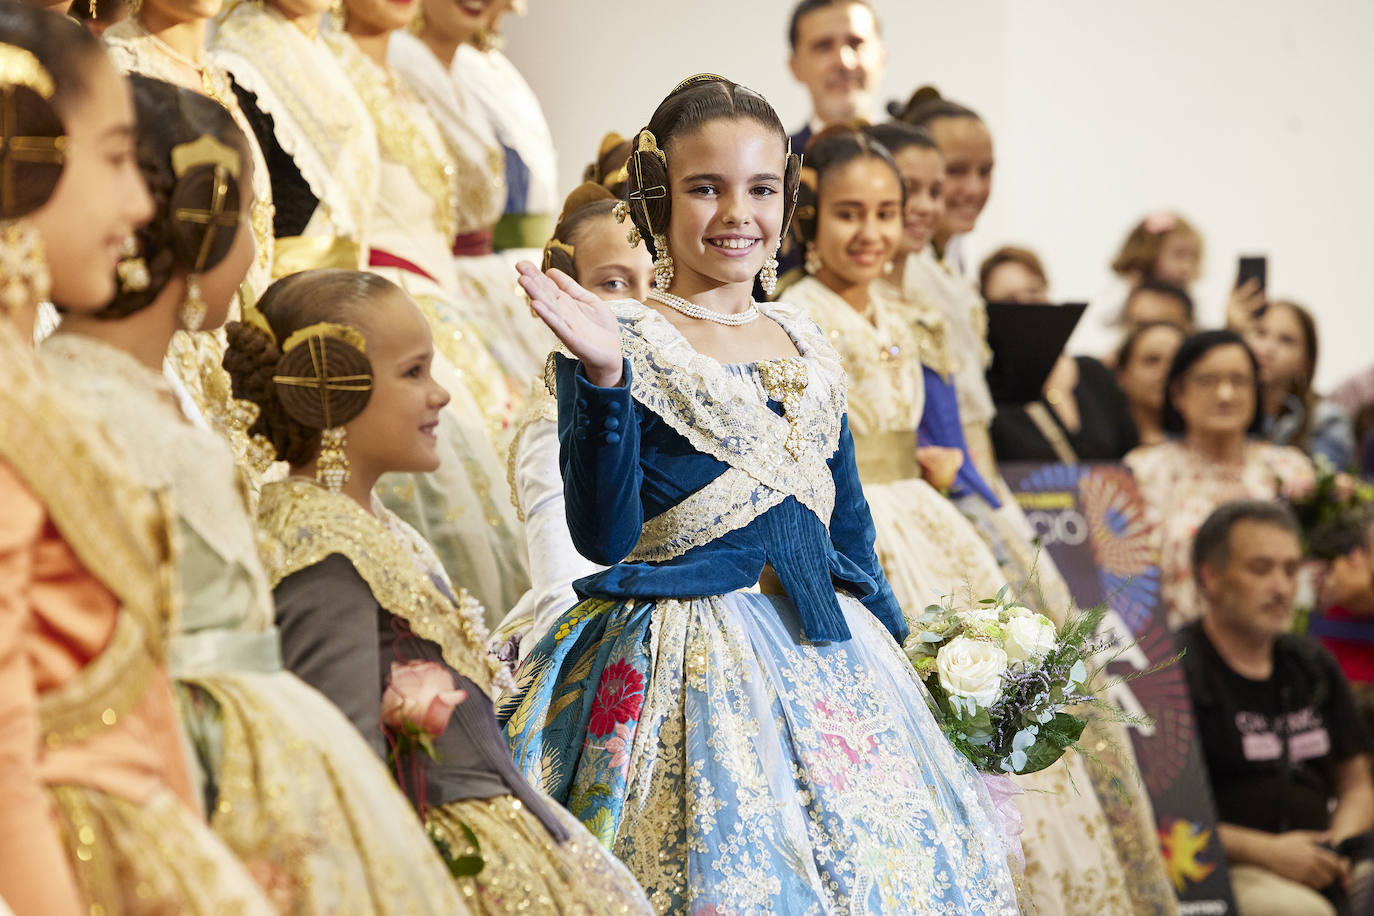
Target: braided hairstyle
column 693, row 103
column 264, row 348
column 170, row 120
column 831, row 149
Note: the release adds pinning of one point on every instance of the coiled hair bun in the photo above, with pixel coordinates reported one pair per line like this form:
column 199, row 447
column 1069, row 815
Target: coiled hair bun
column 319, row 374
column 587, row 201
column 926, row 105
column 195, row 162
column 36, row 142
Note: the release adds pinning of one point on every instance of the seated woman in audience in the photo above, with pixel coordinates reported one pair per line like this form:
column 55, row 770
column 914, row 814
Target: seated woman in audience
column 486, row 283
column 287, row 783
column 462, row 509
column 1284, row 340
column 1211, row 401
column 97, row 812
column 1142, row 365
column 849, row 221
column 589, row 245
column 317, row 140
column 338, row 362
column 683, row 708
column 1081, row 414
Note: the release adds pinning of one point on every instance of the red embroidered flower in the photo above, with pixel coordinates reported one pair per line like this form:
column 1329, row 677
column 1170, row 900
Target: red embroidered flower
column 619, row 698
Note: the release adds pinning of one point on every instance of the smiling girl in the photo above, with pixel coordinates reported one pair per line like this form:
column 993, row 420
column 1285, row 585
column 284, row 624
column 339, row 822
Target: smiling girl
column 364, row 607
column 729, row 709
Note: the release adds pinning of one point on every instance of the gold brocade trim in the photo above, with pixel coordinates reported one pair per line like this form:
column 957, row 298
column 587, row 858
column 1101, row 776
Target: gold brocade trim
column 724, row 414
column 728, row 503
column 541, row 405
column 124, row 538
column 402, row 139
column 303, row 524
column 296, row 253
column 886, row 457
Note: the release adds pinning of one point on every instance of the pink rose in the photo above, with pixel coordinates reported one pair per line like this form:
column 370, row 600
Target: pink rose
column 421, row 694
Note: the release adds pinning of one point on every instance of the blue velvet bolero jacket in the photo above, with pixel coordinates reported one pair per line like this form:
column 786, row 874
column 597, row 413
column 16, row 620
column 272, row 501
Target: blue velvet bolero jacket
column 692, row 476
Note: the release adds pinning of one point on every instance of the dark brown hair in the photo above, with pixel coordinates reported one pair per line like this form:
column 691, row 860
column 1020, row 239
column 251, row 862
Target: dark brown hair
column 65, row 51
column 1302, row 387
column 290, row 304
column 608, row 168
column 169, row 117
column 1127, row 349
column 898, row 135
column 806, row 7
column 831, row 149
column 693, row 103
column 927, row 105
column 586, row 202
column 1010, row 254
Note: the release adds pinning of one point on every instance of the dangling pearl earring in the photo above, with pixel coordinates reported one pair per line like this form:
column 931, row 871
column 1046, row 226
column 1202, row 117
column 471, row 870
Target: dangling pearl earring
column 812, row 262
column 192, row 313
column 663, row 264
column 331, row 467
column 768, row 277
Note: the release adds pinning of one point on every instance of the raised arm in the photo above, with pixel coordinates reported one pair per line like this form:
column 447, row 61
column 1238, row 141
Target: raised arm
column 329, row 623
column 35, row 875
column 853, row 534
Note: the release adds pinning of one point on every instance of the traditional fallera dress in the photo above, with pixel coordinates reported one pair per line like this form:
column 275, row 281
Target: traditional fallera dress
column 928, row 549
column 195, row 359
column 463, row 509
column 742, row 751
column 517, row 120
column 536, row 482
column 1182, row 487
column 317, row 140
column 97, row 812
column 357, row 592
column 486, row 281
column 288, row 784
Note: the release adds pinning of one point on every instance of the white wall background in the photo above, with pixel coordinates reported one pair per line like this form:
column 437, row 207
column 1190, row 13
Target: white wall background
column 1254, row 118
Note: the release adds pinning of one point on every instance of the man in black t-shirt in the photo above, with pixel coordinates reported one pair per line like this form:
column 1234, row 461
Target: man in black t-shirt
column 1285, row 750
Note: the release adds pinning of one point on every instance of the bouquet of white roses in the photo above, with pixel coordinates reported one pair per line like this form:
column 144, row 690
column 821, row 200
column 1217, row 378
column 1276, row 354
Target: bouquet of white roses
column 1002, row 679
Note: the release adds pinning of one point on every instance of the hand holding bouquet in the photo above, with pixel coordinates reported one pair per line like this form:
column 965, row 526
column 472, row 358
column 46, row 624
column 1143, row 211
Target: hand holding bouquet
column 1003, row 678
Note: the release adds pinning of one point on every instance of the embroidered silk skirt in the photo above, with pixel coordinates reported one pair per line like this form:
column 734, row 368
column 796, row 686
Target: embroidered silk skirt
column 738, row 769
column 525, row 871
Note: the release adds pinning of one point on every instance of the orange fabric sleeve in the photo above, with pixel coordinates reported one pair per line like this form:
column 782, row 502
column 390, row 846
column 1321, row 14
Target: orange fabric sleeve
column 35, row 873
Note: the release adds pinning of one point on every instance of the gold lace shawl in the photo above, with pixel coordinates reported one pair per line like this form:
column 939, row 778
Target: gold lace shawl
column 303, row 523
column 317, row 117
column 725, row 414
column 481, row 178
column 880, row 354
column 121, row 535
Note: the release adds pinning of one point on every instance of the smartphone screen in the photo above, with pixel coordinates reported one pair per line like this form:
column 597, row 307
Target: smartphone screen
column 1253, row 267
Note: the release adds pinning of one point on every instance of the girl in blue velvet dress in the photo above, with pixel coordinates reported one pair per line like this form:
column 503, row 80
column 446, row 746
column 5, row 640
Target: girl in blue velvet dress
column 728, row 708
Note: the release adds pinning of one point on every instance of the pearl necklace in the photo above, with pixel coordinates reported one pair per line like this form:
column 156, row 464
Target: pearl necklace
column 692, row 310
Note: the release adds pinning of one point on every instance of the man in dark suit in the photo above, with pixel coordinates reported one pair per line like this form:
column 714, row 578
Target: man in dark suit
column 838, row 55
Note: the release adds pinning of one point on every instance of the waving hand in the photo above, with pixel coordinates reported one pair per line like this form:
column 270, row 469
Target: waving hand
column 580, row 319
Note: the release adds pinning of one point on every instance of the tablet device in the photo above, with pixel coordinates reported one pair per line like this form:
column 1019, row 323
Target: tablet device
column 1026, row 340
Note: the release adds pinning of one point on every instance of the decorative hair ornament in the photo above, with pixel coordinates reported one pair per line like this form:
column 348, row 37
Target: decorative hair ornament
column 323, row 381
column 20, row 70
column 1160, row 221
column 204, row 156
column 549, row 249
column 698, row 78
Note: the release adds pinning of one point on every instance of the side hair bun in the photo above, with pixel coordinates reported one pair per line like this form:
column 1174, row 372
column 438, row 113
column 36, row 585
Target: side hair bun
column 323, row 378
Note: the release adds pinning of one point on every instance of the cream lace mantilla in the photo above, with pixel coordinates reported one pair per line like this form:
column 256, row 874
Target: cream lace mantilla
column 317, row 117
column 168, row 453
column 725, row 414
column 304, row 523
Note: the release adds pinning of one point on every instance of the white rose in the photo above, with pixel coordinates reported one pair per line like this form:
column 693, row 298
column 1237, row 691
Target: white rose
column 976, row 615
column 1030, row 638
column 971, row 668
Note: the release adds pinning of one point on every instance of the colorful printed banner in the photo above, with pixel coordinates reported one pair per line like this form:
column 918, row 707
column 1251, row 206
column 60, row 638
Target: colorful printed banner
column 1091, row 520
